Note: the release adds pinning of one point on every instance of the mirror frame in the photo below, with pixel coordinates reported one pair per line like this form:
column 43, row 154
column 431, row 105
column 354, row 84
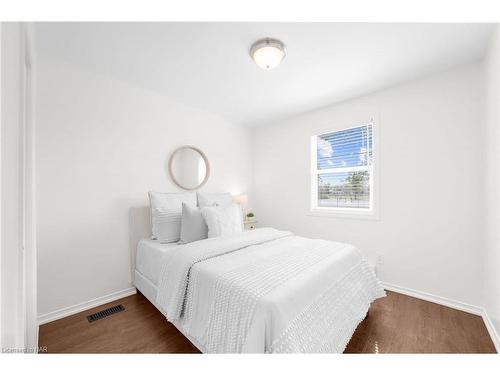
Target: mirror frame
column 205, row 159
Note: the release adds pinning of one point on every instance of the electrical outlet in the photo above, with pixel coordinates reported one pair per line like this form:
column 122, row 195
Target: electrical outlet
column 379, row 258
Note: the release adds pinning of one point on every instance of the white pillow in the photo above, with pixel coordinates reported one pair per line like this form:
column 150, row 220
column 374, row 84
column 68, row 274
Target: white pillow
column 222, row 221
column 193, row 226
column 166, row 213
column 217, row 199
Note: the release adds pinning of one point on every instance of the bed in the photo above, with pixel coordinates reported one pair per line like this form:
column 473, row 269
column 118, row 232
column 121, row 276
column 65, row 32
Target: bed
column 261, row 291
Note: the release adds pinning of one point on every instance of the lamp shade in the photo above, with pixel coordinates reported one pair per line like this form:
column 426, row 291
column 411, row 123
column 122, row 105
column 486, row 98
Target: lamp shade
column 241, row 199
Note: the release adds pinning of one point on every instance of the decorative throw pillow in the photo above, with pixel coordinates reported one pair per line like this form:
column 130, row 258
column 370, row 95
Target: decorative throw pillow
column 222, row 221
column 217, row 199
column 166, row 213
column 193, row 226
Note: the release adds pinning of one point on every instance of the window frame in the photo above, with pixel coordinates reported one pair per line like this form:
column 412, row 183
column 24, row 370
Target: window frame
column 345, row 212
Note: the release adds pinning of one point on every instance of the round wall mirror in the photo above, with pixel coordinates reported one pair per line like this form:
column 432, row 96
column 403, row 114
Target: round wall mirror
column 188, row 167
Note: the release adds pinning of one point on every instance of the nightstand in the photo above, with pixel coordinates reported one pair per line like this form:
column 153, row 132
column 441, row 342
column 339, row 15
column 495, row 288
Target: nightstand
column 249, row 224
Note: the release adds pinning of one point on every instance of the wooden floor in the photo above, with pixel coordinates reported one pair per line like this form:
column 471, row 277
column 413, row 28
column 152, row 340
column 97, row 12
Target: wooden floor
column 396, row 324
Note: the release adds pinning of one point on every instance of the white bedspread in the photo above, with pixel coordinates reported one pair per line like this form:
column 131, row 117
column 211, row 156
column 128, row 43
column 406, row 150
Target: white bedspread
column 267, row 291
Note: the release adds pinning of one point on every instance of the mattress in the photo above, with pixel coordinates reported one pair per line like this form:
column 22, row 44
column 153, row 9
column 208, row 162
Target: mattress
column 149, row 257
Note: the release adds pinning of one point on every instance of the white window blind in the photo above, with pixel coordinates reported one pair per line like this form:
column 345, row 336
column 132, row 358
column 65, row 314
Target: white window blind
column 342, row 170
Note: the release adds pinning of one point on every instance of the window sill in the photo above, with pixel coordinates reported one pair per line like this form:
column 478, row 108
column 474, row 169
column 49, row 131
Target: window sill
column 344, row 214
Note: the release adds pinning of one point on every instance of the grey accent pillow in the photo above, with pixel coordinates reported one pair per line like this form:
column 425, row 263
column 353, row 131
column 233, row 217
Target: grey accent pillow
column 214, row 199
column 193, row 226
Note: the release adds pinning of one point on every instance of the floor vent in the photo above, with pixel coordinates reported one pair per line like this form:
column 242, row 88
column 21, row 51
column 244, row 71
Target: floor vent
column 105, row 313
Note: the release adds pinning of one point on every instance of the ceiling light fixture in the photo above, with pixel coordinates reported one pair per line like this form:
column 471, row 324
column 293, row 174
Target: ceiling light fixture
column 268, row 53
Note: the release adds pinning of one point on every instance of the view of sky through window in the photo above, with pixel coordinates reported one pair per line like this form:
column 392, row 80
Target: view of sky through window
column 343, row 168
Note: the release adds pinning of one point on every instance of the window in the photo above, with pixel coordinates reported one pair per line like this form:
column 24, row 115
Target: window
column 342, row 171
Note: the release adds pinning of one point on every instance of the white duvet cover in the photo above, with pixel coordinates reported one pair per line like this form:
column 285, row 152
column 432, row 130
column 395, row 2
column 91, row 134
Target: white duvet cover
column 267, row 291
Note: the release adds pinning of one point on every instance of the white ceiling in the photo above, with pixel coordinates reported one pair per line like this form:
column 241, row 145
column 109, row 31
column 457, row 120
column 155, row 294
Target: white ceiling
column 207, row 64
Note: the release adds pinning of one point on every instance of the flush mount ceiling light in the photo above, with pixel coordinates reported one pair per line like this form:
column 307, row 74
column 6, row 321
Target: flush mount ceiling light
column 267, row 53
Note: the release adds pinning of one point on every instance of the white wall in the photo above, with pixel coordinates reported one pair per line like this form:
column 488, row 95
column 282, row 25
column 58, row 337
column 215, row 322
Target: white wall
column 101, row 145
column 492, row 181
column 430, row 181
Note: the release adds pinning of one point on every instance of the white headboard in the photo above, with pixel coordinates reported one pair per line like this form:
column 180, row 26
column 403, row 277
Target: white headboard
column 140, row 227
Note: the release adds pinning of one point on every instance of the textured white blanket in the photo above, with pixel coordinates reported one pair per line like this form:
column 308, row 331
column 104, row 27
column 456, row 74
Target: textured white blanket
column 267, row 291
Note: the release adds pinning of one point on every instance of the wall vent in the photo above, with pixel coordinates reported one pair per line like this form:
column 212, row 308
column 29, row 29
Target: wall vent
column 105, row 313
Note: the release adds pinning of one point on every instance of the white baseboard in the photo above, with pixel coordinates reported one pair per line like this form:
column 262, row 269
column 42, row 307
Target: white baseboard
column 67, row 311
column 491, row 330
column 435, row 299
